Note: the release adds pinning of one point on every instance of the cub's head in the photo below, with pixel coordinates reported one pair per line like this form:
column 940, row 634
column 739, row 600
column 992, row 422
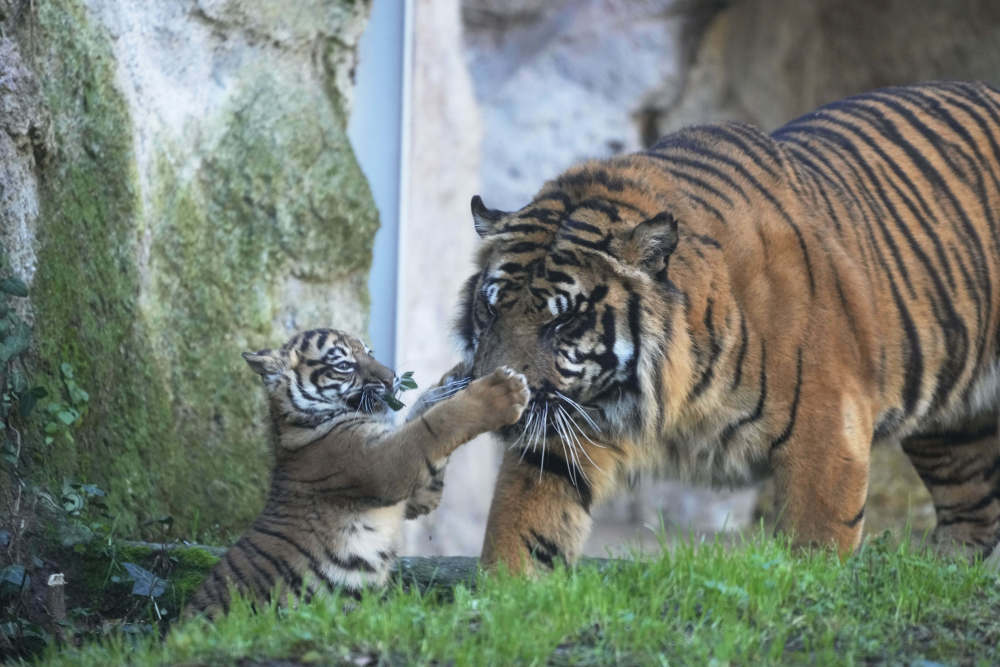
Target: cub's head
column 573, row 292
column 320, row 373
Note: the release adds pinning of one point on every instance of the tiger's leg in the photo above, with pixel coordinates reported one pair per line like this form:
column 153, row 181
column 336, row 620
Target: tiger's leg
column 536, row 518
column 821, row 474
column 540, row 512
column 961, row 469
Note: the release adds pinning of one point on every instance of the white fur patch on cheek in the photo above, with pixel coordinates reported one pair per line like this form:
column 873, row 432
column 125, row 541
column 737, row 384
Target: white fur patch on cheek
column 492, row 294
column 557, row 304
column 624, row 351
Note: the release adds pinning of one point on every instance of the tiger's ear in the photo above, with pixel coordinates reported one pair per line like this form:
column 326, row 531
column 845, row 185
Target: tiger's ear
column 484, row 219
column 267, row 363
column 650, row 243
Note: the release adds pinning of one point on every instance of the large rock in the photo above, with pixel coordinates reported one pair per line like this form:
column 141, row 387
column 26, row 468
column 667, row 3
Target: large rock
column 198, row 198
column 768, row 61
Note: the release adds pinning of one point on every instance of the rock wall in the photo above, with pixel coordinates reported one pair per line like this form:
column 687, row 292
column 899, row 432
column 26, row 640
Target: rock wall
column 182, row 190
column 768, row 61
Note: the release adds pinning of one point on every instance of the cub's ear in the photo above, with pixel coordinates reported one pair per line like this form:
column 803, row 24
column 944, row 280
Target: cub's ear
column 485, row 219
column 266, row 363
column 650, row 243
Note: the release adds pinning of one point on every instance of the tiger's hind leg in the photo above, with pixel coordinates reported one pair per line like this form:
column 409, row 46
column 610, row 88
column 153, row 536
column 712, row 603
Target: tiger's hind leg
column 961, row 469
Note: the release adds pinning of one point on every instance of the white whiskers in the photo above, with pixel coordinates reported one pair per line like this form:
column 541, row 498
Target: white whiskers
column 446, row 390
column 540, row 420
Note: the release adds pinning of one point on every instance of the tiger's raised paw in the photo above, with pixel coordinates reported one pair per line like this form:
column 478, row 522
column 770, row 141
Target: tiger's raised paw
column 503, row 395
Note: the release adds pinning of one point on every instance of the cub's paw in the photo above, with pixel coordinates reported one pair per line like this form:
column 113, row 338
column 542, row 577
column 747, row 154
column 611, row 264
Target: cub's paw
column 503, row 395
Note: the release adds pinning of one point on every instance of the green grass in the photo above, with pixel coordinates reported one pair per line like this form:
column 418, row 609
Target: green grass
column 756, row 603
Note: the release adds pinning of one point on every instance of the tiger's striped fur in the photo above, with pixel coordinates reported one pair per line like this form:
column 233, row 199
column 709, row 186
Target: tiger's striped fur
column 343, row 477
column 729, row 302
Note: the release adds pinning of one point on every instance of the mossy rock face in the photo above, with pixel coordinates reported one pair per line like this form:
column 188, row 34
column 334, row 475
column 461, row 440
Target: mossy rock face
column 162, row 256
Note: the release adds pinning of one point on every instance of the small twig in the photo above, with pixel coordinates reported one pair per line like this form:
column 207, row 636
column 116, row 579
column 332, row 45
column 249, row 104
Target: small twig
column 56, row 597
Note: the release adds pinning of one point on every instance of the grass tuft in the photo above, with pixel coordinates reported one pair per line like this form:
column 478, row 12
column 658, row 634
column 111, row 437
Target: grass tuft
column 759, row 602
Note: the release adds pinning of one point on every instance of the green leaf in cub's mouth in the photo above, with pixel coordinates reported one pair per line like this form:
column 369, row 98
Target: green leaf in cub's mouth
column 406, row 382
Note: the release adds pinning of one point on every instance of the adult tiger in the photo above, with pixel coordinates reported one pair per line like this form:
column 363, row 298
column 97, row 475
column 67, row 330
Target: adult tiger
column 729, row 302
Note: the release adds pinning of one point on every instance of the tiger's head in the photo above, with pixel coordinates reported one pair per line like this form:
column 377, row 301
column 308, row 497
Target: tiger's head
column 573, row 292
column 319, row 374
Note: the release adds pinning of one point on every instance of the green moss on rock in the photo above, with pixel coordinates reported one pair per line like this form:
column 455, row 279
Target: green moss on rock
column 151, row 291
column 277, row 196
column 85, row 292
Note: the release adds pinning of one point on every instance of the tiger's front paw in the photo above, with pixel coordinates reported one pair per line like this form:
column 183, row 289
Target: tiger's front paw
column 501, row 396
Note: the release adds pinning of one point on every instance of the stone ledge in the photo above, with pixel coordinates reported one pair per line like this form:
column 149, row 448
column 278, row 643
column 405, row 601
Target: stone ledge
column 425, row 572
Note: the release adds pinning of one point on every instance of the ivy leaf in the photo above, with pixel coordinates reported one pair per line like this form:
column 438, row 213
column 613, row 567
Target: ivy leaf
column 15, row 342
column 29, row 399
column 91, row 490
column 406, row 381
column 14, row 287
column 145, row 583
column 393, row 402
column 13, row 578
column 72, row 501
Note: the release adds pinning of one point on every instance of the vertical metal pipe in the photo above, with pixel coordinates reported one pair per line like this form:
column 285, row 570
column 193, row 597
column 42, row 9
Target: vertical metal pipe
column 375, row 130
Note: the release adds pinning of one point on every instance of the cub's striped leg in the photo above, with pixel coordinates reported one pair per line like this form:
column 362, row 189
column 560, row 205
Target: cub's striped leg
column 961, row 469
column 821, row 464
column 427, row 498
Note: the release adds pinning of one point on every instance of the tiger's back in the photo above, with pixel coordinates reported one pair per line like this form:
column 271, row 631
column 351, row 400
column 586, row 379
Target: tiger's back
column 728, row 302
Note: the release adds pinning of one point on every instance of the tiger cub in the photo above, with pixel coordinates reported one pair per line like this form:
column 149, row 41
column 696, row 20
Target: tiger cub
column 343, row 476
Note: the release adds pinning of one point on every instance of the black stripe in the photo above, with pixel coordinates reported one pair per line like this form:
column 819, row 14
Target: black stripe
column 715, row 348
column 727, row 434
column 553, row 464
column 741, row 355
column 787, row 433
column 312, row 561
column 352, row 563
column 952, row 438
column 291, row 577
column 851, row 523
column 602, row 206
column 543, row 549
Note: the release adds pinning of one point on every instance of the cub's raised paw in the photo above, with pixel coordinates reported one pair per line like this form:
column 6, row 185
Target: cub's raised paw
column 503, row 395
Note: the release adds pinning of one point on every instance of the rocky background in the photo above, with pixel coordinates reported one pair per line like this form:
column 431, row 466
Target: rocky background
column 558, row 81
column 176, row 186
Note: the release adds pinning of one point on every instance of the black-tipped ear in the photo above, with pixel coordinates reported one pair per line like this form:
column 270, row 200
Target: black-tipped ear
column 651, row 242
column 266, row 363
column 483, row 218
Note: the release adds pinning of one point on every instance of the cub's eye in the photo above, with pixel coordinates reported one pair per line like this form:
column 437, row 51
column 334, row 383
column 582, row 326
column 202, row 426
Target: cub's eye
column 343, row 367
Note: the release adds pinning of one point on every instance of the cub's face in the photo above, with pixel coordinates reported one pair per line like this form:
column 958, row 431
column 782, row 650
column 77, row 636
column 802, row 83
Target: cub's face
column 321, row 372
